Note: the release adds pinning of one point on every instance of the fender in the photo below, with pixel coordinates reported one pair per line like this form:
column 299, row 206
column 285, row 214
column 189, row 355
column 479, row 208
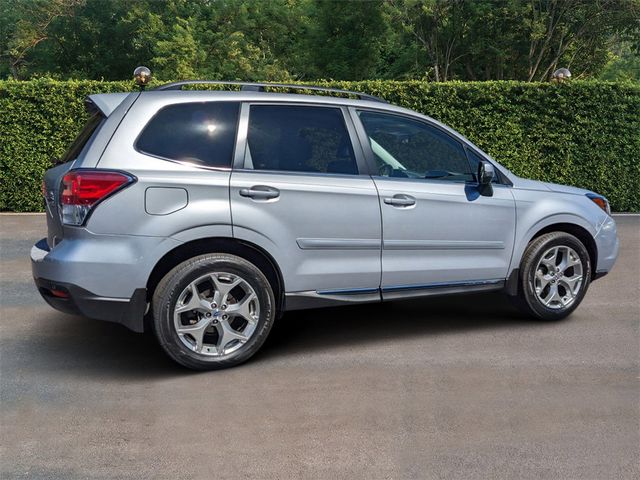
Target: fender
column 523, row 238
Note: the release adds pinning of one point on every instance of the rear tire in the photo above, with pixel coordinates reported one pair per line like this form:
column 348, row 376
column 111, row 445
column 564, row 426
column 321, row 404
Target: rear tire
column 555, row 273
column 213, row 311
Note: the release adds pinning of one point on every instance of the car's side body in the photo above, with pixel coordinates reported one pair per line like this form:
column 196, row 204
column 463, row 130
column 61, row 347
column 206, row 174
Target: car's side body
column 329, row 238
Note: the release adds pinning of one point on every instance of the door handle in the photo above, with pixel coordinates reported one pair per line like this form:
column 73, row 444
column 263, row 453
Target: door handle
column 260, row 192
column 400, row 200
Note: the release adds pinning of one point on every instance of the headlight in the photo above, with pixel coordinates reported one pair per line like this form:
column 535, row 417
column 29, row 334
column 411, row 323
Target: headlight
column 599, row 200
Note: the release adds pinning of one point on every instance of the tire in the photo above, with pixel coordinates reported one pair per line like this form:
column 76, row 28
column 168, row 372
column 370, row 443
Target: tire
column 536, row 295
column 204, row 334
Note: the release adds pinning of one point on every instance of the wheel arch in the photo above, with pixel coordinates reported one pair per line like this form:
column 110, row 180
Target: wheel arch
column 249, row 251
column 566, row 225
column 577, row 231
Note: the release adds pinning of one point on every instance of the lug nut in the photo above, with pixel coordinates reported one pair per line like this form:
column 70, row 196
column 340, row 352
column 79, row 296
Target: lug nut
column 223, row 307
column 214, row 305
column 224, row 317
column 207, row 314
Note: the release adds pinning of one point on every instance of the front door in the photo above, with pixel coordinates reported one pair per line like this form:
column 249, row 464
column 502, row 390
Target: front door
column 438, row 231
column 300, row 196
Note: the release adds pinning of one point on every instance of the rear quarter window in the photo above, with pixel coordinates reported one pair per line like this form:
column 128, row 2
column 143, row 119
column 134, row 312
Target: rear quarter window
column 199, row 133
column 89, row 130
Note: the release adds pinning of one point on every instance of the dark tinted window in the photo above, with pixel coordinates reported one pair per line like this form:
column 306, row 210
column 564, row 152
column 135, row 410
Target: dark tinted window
column 474, row 160
column 409, row 148
column 299, row 139
column 88, row 131
column 199, row 133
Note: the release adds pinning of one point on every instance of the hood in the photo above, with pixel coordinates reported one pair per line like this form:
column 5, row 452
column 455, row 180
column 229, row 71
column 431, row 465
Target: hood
column 555, row 187
column 526, row 184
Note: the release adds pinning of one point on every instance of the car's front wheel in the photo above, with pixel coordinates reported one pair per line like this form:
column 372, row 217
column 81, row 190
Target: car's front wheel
column 213, row 311
column 555, row 273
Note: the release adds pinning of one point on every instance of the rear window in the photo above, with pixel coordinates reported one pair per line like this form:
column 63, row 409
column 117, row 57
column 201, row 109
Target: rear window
column 199, row 133
column 87, row 132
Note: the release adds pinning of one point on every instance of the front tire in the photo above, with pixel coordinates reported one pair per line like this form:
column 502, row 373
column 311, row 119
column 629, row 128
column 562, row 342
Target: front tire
column 555, row 274
column 213, row 311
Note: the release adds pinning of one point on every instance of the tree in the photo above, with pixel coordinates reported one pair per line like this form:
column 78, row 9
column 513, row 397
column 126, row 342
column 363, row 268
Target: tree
column 345, row 39
column 519, row 39
column 309, row 39
column 574, row 32
column 34, row 17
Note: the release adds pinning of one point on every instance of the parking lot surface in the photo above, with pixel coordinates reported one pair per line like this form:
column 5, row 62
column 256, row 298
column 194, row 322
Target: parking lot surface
column 457, row 387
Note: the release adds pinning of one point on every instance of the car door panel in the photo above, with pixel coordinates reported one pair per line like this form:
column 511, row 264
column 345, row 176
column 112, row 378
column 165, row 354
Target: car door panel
column 436, row 232
column 323, row 229
column 447, row 236
column 311, row 228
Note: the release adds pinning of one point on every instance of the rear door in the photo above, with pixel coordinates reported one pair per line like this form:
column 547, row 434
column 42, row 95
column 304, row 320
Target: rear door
column 439, row 232
column 297, row 192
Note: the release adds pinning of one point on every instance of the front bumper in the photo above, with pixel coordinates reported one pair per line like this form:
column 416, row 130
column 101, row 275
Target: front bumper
column 73, row 299
column 608, row 246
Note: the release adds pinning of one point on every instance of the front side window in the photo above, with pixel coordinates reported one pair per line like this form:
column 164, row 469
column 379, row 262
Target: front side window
column 474, row 160
column 199, row 133
column 408, row 148
column 299, row 139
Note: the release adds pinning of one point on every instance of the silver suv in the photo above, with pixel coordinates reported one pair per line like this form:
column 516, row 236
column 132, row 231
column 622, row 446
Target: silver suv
column 204, row 215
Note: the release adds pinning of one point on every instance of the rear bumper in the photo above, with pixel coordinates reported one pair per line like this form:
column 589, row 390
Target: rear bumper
column 73, row 299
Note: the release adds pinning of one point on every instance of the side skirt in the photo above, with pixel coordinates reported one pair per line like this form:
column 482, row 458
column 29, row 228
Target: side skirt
column 434, row 289
column 329, row 298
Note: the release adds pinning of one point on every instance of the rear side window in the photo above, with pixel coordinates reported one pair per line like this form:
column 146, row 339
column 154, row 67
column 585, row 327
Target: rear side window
column 299, row 139
column 199, row 133
column 87, row 132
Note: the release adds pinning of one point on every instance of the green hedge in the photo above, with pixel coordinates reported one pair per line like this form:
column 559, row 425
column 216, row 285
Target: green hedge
column 585, row 134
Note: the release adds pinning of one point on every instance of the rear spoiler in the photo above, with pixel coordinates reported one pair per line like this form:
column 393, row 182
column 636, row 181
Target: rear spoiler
column 104, row 102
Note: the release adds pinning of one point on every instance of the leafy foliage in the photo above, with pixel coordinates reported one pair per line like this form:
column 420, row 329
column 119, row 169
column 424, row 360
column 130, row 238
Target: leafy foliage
column 438, row 40
column 579, row 133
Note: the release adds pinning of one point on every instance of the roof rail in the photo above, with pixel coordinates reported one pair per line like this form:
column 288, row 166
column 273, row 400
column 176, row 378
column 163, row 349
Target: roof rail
column 260, row 87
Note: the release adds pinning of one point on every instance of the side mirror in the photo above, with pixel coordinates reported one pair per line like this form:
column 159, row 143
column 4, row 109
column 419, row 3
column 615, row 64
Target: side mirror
column 486, row 172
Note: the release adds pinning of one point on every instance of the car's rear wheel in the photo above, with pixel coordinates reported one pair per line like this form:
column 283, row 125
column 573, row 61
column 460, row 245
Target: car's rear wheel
column 213, row 311
column 555, row 273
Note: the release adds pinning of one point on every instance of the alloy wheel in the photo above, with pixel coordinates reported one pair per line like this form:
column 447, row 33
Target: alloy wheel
column 216, row 314
column 558, row 277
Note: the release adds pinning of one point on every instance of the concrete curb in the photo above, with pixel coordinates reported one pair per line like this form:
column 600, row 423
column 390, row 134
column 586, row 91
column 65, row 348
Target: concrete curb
column 16, row 214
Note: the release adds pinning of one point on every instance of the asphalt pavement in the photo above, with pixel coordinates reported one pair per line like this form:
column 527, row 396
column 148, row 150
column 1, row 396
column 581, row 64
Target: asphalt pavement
column 457, row 387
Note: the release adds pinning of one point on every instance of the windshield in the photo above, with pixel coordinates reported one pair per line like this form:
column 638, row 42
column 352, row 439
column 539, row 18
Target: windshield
column 90, row 128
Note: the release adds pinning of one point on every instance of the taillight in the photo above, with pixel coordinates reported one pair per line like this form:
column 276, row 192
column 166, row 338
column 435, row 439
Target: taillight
column 81, row 190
